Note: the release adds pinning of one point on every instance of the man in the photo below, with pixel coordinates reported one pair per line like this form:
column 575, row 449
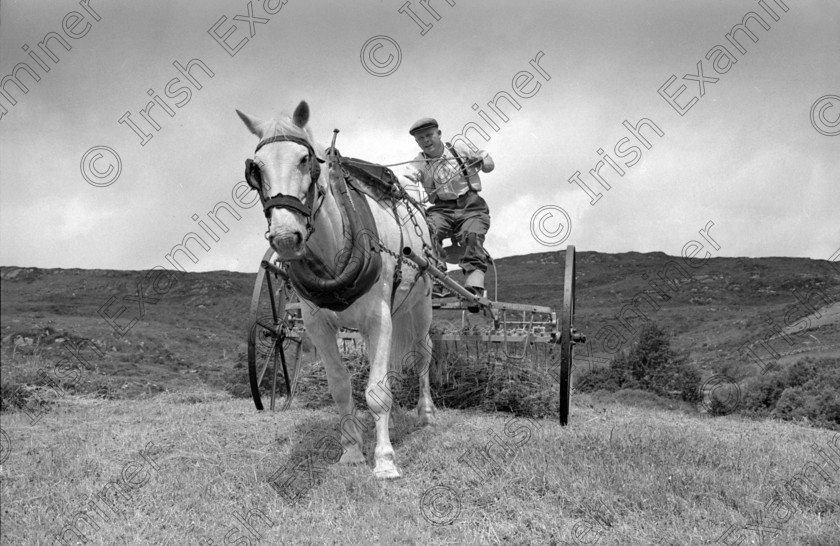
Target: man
column 449, row 174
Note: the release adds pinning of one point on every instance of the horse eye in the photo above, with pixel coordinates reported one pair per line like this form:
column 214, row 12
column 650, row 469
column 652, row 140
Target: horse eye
column 303, row 160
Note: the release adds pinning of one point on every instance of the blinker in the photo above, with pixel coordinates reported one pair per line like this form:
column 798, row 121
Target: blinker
column 253, row 175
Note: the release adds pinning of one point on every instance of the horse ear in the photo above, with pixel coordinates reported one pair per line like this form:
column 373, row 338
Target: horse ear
column 301, row 115
column 250, row 122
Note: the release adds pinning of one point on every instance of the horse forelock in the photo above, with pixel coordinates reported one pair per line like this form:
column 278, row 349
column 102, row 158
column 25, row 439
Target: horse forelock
column 284, row 126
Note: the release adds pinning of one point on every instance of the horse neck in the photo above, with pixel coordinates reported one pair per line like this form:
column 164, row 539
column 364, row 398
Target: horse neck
column 327, row 240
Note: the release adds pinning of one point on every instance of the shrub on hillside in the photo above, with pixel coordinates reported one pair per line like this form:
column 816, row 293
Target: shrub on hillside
column 804, row 371
column 611, row 378
column 760, row 394
column 651, row 365
column 817, row 398
column 810, row 389
column 13, row 396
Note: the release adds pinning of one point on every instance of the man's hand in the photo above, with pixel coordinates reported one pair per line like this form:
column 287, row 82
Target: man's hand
column 412, row 174
column 484, row 162
column 408, row 179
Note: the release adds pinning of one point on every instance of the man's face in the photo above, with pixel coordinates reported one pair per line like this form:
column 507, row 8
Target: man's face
column 429, row 141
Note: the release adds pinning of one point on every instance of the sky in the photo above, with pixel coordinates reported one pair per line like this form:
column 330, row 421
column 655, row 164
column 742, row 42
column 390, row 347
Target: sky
column 751, row 143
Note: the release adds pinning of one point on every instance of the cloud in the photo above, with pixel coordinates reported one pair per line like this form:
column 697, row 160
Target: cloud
column 745, row 156
column 76, row 218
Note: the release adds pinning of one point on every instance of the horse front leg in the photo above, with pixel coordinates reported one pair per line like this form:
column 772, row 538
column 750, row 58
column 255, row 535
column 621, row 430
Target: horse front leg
column 378, row 395
column 323, row 336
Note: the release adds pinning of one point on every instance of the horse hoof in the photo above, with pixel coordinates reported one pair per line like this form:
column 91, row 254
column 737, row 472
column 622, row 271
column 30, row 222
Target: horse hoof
column 386, row 470
column 352, row 456
column 426, row 418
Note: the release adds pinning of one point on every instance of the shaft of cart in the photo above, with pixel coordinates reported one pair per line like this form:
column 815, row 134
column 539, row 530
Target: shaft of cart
column 456, row 288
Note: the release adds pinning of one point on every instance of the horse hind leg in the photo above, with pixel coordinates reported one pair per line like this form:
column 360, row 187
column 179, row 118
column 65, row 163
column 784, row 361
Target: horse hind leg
column 412, row 357
column 416, row 355
column 425, row 406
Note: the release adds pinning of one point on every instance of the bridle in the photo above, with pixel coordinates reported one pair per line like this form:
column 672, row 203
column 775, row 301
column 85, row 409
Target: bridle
column 314, row 196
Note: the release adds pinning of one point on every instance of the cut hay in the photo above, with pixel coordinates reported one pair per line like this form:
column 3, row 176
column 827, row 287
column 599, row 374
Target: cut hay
column 492, row 382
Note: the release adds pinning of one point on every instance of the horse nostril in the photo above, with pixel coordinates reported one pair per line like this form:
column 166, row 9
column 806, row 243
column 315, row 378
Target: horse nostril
column 298, row 238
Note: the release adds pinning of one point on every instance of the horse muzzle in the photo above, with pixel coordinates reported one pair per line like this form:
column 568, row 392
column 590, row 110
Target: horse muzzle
column 289, row 244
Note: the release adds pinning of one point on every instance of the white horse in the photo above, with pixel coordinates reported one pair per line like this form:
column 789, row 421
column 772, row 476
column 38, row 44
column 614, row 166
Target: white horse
column 303, row 205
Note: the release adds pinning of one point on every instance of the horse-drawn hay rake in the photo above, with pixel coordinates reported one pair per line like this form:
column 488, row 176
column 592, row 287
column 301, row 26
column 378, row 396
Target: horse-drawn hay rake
column 518, row 330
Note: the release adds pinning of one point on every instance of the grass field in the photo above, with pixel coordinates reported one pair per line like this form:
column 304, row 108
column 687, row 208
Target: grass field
column 146, row 446
column 198, row 467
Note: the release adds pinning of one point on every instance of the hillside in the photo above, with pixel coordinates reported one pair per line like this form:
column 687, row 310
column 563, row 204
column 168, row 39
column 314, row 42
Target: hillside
column 195, row 332
column 712, row 310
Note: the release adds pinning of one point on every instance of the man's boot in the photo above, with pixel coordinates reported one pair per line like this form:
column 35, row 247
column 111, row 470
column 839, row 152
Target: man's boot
column 475, row 284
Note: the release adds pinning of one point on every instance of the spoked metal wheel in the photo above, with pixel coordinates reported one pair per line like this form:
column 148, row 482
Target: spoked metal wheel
column 272, row 335
column 568, row 337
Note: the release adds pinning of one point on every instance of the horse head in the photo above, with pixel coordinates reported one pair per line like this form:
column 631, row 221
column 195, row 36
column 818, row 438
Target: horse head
column 285, row 171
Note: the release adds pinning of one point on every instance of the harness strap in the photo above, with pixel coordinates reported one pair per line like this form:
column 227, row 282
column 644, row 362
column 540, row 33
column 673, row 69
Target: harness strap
column 314, row 197
column 287, row 202
column 287, row 138
column 463, row 167
column 420, row 273
column 398, row 268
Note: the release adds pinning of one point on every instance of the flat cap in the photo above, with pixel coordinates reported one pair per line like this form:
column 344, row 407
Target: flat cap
column 421, row 124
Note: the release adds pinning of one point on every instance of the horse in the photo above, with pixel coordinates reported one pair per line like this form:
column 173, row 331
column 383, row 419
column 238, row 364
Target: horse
column 316, row 224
